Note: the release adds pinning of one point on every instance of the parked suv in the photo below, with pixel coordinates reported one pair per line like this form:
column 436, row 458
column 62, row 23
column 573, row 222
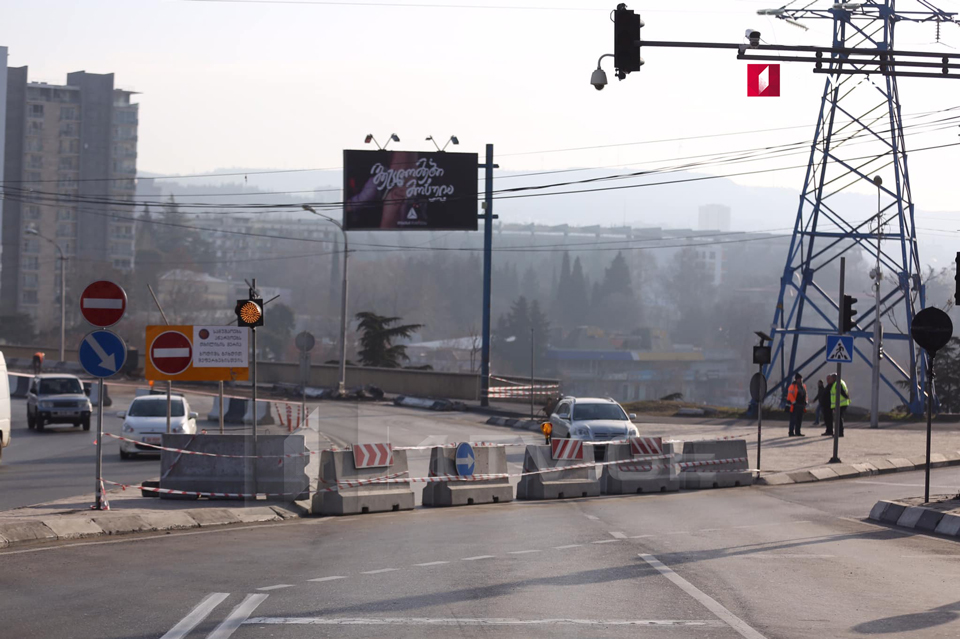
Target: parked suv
column 592, row 419
column 57, row 399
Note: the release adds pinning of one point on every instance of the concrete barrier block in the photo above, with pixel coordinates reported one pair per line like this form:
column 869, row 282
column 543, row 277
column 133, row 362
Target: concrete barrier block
column 120, row 524
column 72, row 527
column 876, row 513
column 910, row 516
column 577, row 482
column 29, row 530
column 726, row 475
column 214, row 516
column 264, row 413
column 629, row 477
column 338, row 466
column 891, row 514
column 489, row 460
column 928, row 520
column 949, row 525
column 18, row 385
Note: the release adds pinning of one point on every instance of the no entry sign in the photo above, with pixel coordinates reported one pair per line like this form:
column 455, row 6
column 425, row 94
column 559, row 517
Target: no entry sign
column 197, row 353
column 103, row 303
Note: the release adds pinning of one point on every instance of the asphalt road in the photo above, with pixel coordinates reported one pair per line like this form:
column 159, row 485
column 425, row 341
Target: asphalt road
column 793, row 561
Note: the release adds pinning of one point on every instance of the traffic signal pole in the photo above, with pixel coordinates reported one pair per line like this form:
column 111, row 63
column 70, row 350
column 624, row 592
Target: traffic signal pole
column 838, row 383
column 488, row 218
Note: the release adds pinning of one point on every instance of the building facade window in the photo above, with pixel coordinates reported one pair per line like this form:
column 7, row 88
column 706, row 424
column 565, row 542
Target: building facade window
column 34, row 127
column 69, row 129
column 35, row 161
column 28, row 296
column 121, row 232
column 121, row 248
column 34, row 145
column 30, row 263
column 31, row 245
column 66, row 229
column 31, row 212
column 68, row 113
column 70, row 146
column 32, row 176
column 69, row 162
column 68, row 181
column 66, row 215
column 30, row 280
column 35, row 110
column 122, row 264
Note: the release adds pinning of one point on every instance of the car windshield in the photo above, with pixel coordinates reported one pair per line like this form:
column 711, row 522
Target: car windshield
column 598, row 411
column 61, row 386
column 155, row 408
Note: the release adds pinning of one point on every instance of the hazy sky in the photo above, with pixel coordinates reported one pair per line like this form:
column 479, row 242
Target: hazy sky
column 290, row 84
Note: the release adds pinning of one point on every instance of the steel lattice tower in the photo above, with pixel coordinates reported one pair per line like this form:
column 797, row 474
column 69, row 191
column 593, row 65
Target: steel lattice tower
column 859, row 134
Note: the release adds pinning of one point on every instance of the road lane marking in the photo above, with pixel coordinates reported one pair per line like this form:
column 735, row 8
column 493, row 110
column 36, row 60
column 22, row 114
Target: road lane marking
column 605, row 541
column 706, row 600
column 331, row 578
column 277, row 587
column 890, row 483
column 774, row 555
column 592, row 517
column 377, row 572
column 477, row 557
column 198, row 614
column 522, row 552
column 618, row 535
column 641, row 536
column 432, row 563
column 236, row 617
column 567, row 546
column 458, row 621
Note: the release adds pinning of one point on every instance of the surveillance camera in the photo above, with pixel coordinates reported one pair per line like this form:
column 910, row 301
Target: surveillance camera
column 598, row 79
column 754, row 37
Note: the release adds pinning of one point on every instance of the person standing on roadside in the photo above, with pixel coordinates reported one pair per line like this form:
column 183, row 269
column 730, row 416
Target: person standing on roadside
column 797, row 400
column 838, row 403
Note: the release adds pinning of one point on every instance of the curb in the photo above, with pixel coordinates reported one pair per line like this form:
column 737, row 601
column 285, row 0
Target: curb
column 916, row 518
column 523, row 424
column 99, row 524
column 862, row 469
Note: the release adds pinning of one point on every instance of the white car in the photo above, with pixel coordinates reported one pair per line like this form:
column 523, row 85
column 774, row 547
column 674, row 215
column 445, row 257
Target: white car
column 146, row 421
column 592, row 419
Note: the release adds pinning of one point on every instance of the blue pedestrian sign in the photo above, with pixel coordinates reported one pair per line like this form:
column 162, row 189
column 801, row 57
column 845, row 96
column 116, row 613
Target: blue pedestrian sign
column 466, row 460
column 840, row 348
column 102, row 353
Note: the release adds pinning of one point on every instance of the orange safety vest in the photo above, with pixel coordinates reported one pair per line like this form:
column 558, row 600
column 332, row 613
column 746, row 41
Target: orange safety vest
column 792, row 392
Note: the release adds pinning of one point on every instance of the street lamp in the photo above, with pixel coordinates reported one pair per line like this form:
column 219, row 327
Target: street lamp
column 63, row 273
column 341, row 389
column 393, row 138
column 876, row 275
column 453, row 139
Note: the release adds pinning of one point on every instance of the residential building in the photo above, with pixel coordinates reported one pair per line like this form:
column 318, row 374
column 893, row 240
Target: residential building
column 70, row 167
column 714, row 217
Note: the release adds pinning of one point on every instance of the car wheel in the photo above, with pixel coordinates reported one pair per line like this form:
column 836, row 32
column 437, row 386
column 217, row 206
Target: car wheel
column 86, row 424
column 125, row 455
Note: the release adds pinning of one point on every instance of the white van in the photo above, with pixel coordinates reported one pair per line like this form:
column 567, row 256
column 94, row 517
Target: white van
column 4, row 405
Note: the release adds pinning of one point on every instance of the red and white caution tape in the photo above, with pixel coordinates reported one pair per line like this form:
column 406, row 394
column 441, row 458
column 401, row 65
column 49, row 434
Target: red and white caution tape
column 202, row 454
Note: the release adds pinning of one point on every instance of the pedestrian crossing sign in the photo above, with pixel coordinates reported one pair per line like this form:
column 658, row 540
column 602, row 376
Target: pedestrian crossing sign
column 840, row 348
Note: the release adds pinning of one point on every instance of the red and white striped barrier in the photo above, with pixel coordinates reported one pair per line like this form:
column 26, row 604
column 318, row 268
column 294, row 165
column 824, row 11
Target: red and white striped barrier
column 372, row 455
column 566, row 449
column 640, row 446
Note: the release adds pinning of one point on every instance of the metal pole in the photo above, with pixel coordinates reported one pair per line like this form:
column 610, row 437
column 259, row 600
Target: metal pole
column 169, row 385
column 838, row 384
column 63, row 301
column 342, row 387
column 487, row 271
column 926, row 479
column 760, row 420
column 877, row 330
column 99, row 489
column 253, row 332
column 531, row 371
column 221, row 406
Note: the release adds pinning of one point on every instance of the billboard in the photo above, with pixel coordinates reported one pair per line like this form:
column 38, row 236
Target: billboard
column 409, row 190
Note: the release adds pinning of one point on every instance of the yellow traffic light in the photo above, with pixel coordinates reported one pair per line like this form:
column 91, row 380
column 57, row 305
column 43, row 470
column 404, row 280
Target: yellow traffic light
column 249, row 313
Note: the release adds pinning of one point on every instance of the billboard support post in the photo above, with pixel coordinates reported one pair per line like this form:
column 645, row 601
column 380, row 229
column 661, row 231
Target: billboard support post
column 488, row 167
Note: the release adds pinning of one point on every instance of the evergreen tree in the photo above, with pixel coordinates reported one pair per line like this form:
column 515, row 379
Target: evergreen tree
column 577, row 299
column 616, row 279
column 376, row 340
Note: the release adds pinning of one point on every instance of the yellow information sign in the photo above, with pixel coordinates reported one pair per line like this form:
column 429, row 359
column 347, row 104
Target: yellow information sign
column 197, row 353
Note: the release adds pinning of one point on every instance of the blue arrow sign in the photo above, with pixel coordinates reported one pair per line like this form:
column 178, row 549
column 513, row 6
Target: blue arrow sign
column 102, row 353
column 466, row 460
column 840, row 348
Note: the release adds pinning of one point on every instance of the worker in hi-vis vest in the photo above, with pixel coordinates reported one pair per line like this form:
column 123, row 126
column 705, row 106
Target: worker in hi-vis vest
column 844, row 401
column 797, row 402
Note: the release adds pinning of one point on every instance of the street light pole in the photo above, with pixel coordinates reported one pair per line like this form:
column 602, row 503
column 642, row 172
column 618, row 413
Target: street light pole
column 877, row 328
column 341, row 389
column 63, row 288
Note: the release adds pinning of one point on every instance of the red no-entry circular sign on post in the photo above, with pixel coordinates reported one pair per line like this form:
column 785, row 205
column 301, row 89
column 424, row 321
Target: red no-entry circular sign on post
column 171, row 353
column 103, row 303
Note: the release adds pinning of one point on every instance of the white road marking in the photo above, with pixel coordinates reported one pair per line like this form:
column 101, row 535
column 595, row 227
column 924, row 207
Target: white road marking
column 458, row 621
column 522, row 552
column 618, row 535
column 773, row 555
column 432, row 563
column 236, row 617
column 377, row 572
column 641, row 536
column 327, row 578
column 198, row 614
column 477, row 557
column 568, row 546
column 890, row 483
column 592, row 517
column 706, row 600
column 277, row 587
column 606, row 541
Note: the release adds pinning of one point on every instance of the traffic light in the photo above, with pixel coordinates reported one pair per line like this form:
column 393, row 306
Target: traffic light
column 847, row 322
column 956, row 291
column 249, row 313
column 626, row 41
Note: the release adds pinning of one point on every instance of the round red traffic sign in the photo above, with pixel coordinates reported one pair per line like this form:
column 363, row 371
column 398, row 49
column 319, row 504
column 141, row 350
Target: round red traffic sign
column 103, row 303
column 171, row 353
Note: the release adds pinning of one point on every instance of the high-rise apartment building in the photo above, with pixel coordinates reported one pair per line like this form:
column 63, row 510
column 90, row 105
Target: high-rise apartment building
column 70, row 167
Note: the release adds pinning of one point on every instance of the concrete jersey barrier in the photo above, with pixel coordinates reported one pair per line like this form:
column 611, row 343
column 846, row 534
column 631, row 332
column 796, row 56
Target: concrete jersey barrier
column 488, row 460
column 199, row 473
column 577, row 482
column 18, row 385
column 338, row 466
column 630, row 476
column 264, row 414
column 720, row 475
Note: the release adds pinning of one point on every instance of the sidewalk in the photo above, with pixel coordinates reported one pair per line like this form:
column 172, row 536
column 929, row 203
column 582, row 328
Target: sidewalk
column 939, row 516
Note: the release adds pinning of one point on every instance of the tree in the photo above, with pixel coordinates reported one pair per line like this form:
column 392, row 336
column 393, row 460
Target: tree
column 948, row 376
column 577, row 298
column 514, row 333
column 690, row 286
column 376, row 340
column 616, row 279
